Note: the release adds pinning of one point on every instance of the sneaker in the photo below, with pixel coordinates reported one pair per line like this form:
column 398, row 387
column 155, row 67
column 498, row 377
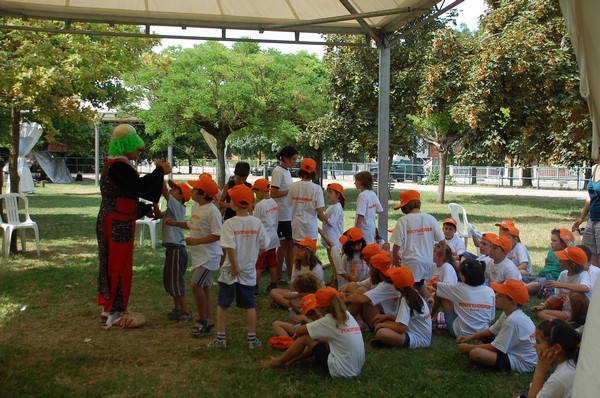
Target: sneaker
column 252, row 344
column 216, row 343
column 174, row 314
column 186, row 317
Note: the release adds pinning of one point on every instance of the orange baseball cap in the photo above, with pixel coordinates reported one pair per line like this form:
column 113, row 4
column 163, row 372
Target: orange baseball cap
column 370, row 250
column 402, row 277
column 325, row 295
column 505, row 224
column 343, row 239
column 382, row 262
column 503, row 241
column 451, row 221
column 241, row 196
column 281, row 342
column 514, row 289
column 406, row 197
column 354, row 234
column 337, row 188
column 567, row 236
column 206, row 184
column 514, row 231
column 261, row 185
column 307, row 242
column 572, row 253
column 185, row 189
column 308, row 303
column 309, row 165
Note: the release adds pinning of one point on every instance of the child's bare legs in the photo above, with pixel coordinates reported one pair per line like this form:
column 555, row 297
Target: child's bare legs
column 221, row 320
column 483, row 356
column 549, row 315
column 277, row 297
column 369, row 311
column 200, row 301
column 285, row 252
column 390, row 337
column 579, row 306
column 251, row 320
column 533, row 287
column 181, row 304
column 300, row 349
column 282, row 328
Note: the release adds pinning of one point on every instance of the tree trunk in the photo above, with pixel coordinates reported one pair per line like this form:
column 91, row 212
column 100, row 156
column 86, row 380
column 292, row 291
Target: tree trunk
column 221, row 138
column 190, row 169
column 443, row 157
column 473, row 175
column 13, row 156
column 527, row 177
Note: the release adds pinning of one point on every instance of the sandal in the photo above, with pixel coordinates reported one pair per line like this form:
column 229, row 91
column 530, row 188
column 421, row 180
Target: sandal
column 201, row 327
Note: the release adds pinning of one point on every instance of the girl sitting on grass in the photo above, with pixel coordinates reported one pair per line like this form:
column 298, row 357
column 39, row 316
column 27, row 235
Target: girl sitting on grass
column 308, row 304
column 557, row 344
column 411, row 327
column 334, row 340
column 353, row 267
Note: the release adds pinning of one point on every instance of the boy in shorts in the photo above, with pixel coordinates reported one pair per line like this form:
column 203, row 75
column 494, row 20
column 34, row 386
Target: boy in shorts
column 267, row 211
column 244, row 238
column 205, row 231
column 176, row 257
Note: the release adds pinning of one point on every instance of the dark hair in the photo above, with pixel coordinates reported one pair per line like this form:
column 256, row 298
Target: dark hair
column 307, row 283
column 303, row 173
column 560, row 332
column 473, row 271
column 286, row 152
column 587, row 251
column 242, row 169
column 349, row 251
column 410, row 206
column 575, row 268
column 201, row 192
column 414, row 299
column 377, row 276
column 365, row 178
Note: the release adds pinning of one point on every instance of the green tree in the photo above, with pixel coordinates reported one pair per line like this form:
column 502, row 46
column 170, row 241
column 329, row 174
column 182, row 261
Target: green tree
column 522, row 99
column 47, row 74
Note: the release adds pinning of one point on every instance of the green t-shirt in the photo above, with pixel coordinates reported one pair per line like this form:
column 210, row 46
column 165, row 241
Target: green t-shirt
column 552, row 266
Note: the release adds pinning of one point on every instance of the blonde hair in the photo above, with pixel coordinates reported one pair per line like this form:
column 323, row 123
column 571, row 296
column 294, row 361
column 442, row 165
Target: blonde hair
column 337, row 309
column 311, row 259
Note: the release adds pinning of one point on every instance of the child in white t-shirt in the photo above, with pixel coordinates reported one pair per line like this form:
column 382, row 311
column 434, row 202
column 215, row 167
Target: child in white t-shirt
column 413, row 238
column 367, row 206
column 593, row 270
column 519, row 254
column 382, row 298
column 469, row 305
column 557, row 344
column 267, row 211
column 307, row 203
column 353, row 268
column 453, row 241
column 334, row 227
column 305, row 287
column 335, row 340
column 411, row 326
column 499, row 267
column 513, row 333
column 205, row 231
column 244, row 238
column 443, row 271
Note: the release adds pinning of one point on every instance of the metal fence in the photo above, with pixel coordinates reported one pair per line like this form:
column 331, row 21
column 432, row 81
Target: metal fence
column 540, row 176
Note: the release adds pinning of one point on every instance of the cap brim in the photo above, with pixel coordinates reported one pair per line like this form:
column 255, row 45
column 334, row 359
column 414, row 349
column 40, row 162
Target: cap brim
column 561, row 255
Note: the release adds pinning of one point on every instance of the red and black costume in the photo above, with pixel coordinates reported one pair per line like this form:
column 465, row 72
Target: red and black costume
column 121, row 187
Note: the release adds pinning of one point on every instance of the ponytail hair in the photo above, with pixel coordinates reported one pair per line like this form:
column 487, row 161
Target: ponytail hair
column 560, row 332
column 337, row 309
column 414, row 299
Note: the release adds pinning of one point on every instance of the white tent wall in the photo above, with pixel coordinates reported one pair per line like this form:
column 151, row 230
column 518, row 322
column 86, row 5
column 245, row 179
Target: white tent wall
column 55, row 168
column 29, row 136
column 582, row 18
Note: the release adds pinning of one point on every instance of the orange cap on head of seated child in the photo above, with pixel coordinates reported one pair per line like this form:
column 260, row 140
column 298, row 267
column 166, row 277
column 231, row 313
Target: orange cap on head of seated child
column 402, row 277
column 573, row 253
column 512, row 288
column 567, row 236
column 354, row 234
column 307, row 242
column 502, row 241
column 370, row 250
column 505, row 224
column 325, row 295
column 382, row 262
column 308, row 303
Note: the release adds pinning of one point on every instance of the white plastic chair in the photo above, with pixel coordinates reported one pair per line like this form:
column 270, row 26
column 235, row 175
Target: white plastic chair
column 459, row 213
column 10, row 203
column 152, row 227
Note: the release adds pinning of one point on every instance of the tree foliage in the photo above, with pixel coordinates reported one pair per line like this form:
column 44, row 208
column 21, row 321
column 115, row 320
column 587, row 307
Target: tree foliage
column 56, row 79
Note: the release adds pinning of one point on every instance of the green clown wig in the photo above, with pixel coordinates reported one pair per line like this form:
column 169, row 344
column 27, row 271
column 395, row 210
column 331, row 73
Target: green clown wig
column 124, row 140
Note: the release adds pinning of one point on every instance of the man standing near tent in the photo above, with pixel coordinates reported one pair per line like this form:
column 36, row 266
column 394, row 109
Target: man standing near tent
column 121, row 187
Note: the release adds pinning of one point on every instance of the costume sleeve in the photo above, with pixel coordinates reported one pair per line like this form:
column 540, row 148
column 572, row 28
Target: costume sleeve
column 148, row 187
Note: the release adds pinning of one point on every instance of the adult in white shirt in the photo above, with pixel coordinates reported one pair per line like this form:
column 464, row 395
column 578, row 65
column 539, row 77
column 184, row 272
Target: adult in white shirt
column 281, row 181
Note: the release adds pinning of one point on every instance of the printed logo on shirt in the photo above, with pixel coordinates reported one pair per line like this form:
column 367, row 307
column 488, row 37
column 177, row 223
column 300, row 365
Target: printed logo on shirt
column 427, row 316
column 475, row 306
column 355, row 329
column 374, row 205
column 246, row 232
column 271, row 210
column 300, row 199
column 419, row 230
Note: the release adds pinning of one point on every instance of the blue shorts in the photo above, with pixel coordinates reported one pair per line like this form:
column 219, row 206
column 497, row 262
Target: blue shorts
column 176, row 260
column 243, row 295
column 450, row 317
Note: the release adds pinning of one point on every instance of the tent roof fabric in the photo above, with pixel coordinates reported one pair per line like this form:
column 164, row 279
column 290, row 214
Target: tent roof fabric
column 316, row 16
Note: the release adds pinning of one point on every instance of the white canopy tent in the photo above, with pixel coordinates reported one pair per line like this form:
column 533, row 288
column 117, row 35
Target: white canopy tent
column 29, row 136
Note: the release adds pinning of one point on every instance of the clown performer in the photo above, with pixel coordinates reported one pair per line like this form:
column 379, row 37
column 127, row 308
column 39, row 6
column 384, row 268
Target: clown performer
column 121, row 187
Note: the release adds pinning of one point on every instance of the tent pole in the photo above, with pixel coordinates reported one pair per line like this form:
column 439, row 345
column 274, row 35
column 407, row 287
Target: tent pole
column 383, row 130
column 97, row 155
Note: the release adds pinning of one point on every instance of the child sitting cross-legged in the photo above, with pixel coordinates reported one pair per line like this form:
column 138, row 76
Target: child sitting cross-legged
column 308, row 303
column 512, row 348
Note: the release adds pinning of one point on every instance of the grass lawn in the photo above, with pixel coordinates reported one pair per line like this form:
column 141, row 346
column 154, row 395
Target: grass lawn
column 56, row 347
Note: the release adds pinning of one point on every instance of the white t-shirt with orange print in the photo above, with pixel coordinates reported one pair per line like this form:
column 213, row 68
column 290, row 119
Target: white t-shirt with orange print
column 416, row 233
column 306, row 198
column 368, row 205
column 475, row 306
